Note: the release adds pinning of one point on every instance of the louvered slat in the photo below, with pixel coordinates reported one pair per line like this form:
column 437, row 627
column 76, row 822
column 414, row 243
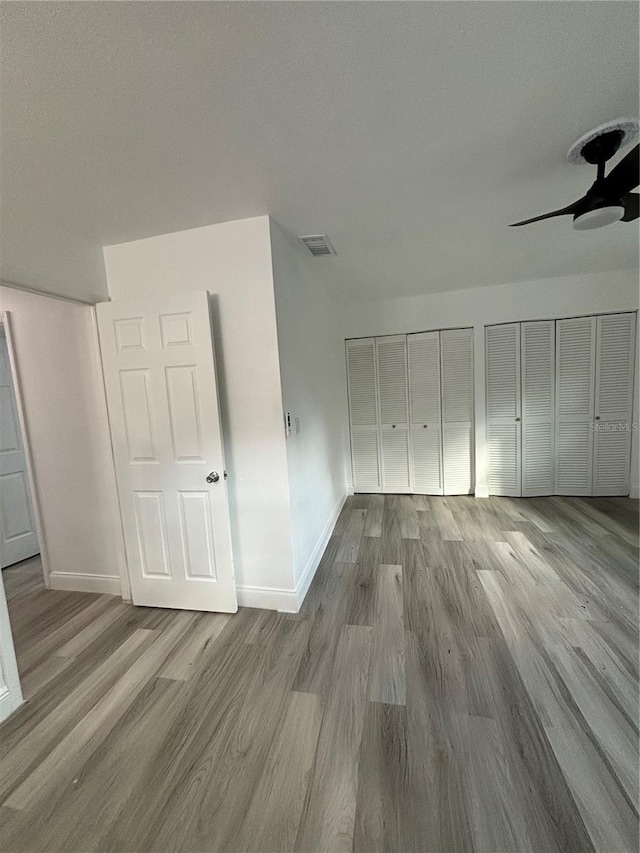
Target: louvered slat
column 365, row 456
column 457, row 448
column 615, row 349
column 424, row 377
column 426, row 448
column 363, row 414
column 392, row 379
column 424, row 411
column 537, row 459
column 538, row 409
column 614, row 366
column 391, row 356
column 502, row 356
column 575, row 370
column 362, row 382
column 575, row 341
column 456, row 378
column 573, row 458
column 395, row 459
column 611, row 461
column 504, row 449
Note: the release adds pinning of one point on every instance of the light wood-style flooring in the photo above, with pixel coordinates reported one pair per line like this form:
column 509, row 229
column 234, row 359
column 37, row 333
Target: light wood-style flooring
column 463, row 676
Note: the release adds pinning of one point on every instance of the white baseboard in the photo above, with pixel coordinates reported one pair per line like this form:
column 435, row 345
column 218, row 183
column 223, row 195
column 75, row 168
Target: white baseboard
column 267, row 598
column 350, row 489
column 73, row 582
column 290, row 600
column 634, row 493
column 316, row 555
column 482, row 491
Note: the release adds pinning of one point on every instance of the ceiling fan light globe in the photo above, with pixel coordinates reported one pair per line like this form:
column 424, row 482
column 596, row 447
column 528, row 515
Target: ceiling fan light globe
column 598, row 218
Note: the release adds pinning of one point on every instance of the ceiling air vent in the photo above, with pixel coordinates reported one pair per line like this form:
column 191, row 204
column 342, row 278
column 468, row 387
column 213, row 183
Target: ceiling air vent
column 319, row 245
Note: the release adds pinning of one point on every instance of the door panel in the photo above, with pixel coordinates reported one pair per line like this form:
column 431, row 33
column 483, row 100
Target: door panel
column 458, row 458
column 393, row 403
column 363, row 415
column 456, row 378
column 425, row 412
column 10, row 692
column 18, row 537
column 163, row 410
column 502, row 347
column 615, row 351
column 538, row 407
column 426, row 444
column 395, row 458
column 575, row 360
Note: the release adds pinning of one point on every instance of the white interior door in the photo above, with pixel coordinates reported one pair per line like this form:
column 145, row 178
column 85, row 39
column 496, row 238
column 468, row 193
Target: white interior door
column 162, row 397
column 615, row 349
column 10, row 692
column 575, row 369
column 456, row 379
column 391, row 364
column 425, row 412
column 538, row 408
column 363, row 415
column 502, row 356
column 18, row 537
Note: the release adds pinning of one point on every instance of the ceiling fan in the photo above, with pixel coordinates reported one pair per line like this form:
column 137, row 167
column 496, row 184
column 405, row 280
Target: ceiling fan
column 609, row 199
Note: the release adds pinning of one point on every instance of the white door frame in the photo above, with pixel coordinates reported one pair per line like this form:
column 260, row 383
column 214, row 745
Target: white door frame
column 5, row 321
column 125, row 580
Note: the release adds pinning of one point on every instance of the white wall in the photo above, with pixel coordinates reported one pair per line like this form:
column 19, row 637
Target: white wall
column 536, row 300
column 60, row 382
column 233, row 261
column 311, row 356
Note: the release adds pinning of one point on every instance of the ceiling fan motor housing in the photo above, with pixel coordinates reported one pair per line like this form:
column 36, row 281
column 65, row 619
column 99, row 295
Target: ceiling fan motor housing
column 601, row 143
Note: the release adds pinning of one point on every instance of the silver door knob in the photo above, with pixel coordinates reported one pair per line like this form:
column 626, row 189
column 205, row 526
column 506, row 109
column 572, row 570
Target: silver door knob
column 213, row 477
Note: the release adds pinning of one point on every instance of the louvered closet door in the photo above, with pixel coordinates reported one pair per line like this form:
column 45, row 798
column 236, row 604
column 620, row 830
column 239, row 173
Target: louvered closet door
column 538, row 412
column 502, row 353
column 456, row 377
column 615, row 339
column 391, row 353
column 363, row 415
column 575, row 359
column 424, row 407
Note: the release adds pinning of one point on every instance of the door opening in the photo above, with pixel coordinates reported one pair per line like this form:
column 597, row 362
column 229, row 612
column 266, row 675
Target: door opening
column 19, row 539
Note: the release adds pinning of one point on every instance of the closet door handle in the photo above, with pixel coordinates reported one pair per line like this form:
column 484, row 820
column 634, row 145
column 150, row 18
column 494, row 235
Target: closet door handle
column 517, row 419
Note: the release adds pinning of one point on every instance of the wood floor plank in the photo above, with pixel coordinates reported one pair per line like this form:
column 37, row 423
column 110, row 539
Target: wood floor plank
column 33, row 749
column 362, row 585
column 203, row 633
column 494, row 808
column 328, row 820
column 386, row 675
column 607, row 814
column 462, row 677
column 352, row 537
column 316, row 664
column 58, row 767
column 382, row 780
column 273, row 818
column 375, row 513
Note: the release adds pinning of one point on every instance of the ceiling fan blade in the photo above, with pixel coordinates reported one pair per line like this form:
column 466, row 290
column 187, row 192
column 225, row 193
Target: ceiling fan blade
column 631, row 207
column 624, row 176
column 562, row 212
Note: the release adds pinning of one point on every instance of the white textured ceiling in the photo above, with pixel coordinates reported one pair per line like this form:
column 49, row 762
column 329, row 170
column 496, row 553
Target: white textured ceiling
column 412, row 133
